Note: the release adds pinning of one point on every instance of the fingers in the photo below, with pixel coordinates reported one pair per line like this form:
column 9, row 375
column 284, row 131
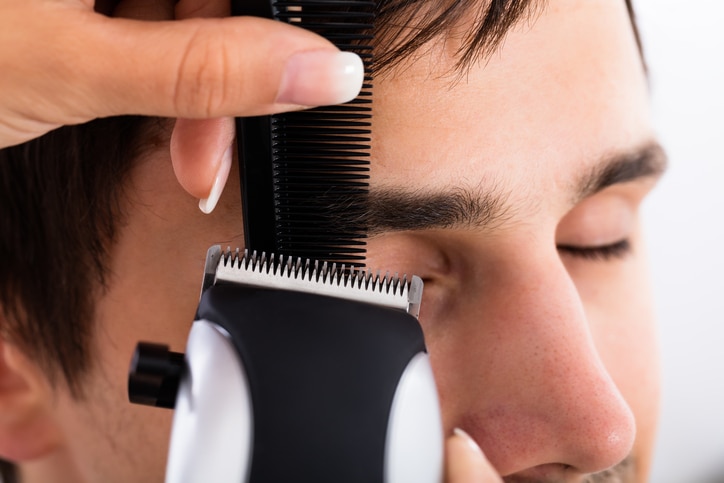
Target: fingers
column 202, row 149
column 201, row 68
column 67, row 64
column 201, row 153
column 465, row 462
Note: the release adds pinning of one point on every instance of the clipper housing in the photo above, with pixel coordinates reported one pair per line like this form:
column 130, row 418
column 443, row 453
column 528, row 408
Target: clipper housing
column 300, row 371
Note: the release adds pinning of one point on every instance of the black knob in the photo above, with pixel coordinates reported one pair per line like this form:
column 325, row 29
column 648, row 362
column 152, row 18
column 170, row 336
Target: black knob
column 154, row 376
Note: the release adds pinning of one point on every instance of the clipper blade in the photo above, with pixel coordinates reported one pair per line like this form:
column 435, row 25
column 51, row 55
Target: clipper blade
column 305, row 275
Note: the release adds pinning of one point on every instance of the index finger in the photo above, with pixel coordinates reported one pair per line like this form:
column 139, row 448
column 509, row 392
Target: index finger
column 200, row 68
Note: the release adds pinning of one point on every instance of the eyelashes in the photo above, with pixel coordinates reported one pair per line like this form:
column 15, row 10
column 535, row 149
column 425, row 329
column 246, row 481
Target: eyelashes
column 613, row 251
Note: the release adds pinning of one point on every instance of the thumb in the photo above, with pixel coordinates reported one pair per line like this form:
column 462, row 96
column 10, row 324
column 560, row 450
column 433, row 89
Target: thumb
column 200, row 68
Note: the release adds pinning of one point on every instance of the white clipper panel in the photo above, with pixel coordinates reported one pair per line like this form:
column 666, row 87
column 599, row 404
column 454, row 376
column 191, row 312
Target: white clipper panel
column 212, row 426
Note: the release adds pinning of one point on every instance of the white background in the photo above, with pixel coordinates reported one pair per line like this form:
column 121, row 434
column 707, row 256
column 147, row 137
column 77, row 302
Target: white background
column 684, row 219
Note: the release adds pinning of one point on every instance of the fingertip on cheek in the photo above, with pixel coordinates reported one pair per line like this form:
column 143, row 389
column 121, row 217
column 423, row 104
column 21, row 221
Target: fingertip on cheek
column 466, row 440
column 466, row 461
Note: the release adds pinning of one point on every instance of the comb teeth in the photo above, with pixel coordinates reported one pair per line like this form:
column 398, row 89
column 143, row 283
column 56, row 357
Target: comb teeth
column 322, row 155
column 322, row 278
column 311, row 203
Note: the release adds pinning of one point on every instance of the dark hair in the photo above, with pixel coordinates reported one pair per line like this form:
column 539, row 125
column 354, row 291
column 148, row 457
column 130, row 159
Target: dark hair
column 61, row 196
column 408, row 26
column 60, row 210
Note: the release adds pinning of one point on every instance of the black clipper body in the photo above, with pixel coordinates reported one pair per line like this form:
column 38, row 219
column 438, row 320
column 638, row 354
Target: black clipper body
column 299, row 373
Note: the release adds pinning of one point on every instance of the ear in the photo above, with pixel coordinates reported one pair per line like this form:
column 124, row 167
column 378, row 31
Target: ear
column 27, row 430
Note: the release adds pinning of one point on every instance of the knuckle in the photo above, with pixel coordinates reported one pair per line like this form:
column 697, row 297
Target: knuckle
column 202, row 82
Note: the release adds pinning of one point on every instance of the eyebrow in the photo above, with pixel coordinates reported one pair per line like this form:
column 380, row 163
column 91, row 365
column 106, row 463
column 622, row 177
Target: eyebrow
column 649, row 161
column 392, row 210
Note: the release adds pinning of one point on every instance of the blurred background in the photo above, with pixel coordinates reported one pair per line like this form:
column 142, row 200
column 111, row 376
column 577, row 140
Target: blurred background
column 684, row 222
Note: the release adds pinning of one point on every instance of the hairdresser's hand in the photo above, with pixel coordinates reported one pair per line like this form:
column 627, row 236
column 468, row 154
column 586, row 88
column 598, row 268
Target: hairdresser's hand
column 62, row 63
column 465, row 462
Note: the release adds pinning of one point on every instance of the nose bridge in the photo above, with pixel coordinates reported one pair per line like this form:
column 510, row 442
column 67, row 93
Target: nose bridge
column 551, row 399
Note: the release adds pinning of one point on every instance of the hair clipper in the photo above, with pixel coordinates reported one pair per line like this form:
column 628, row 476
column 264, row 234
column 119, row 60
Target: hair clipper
column 297, row 371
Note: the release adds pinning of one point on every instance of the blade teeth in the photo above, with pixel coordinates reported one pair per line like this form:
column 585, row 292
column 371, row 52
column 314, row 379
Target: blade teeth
column 346, row 276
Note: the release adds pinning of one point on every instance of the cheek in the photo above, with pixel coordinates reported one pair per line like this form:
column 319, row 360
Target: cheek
column 117, row 441
column 157, row 268
column 108, row 438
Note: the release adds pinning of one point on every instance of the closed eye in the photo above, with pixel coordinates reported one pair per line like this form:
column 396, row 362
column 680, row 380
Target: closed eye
column 609, row 252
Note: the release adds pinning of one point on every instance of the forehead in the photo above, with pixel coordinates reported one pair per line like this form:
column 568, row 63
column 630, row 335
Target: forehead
column 562, row 92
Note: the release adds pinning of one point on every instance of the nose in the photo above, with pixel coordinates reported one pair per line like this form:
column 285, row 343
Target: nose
column 518, row 369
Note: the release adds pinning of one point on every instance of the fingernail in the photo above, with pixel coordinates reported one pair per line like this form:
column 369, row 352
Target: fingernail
column 469, row 440
column 321, row 78
column 208, row 204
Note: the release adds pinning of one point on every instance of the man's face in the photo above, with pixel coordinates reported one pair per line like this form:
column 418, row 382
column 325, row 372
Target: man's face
column 536, row 309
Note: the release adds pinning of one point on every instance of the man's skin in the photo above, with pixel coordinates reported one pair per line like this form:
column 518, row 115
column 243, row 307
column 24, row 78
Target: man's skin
column 541, row 341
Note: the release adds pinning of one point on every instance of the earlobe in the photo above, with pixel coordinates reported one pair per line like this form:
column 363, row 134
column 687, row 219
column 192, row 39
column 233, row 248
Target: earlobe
column 27, row 430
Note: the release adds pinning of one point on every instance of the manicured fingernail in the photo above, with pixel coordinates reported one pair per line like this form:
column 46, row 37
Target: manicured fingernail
column 321, row 78
column 208, row 204
column 468, row 439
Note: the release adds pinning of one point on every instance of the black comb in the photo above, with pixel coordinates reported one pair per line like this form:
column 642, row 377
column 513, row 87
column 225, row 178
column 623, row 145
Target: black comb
column 304, row 175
